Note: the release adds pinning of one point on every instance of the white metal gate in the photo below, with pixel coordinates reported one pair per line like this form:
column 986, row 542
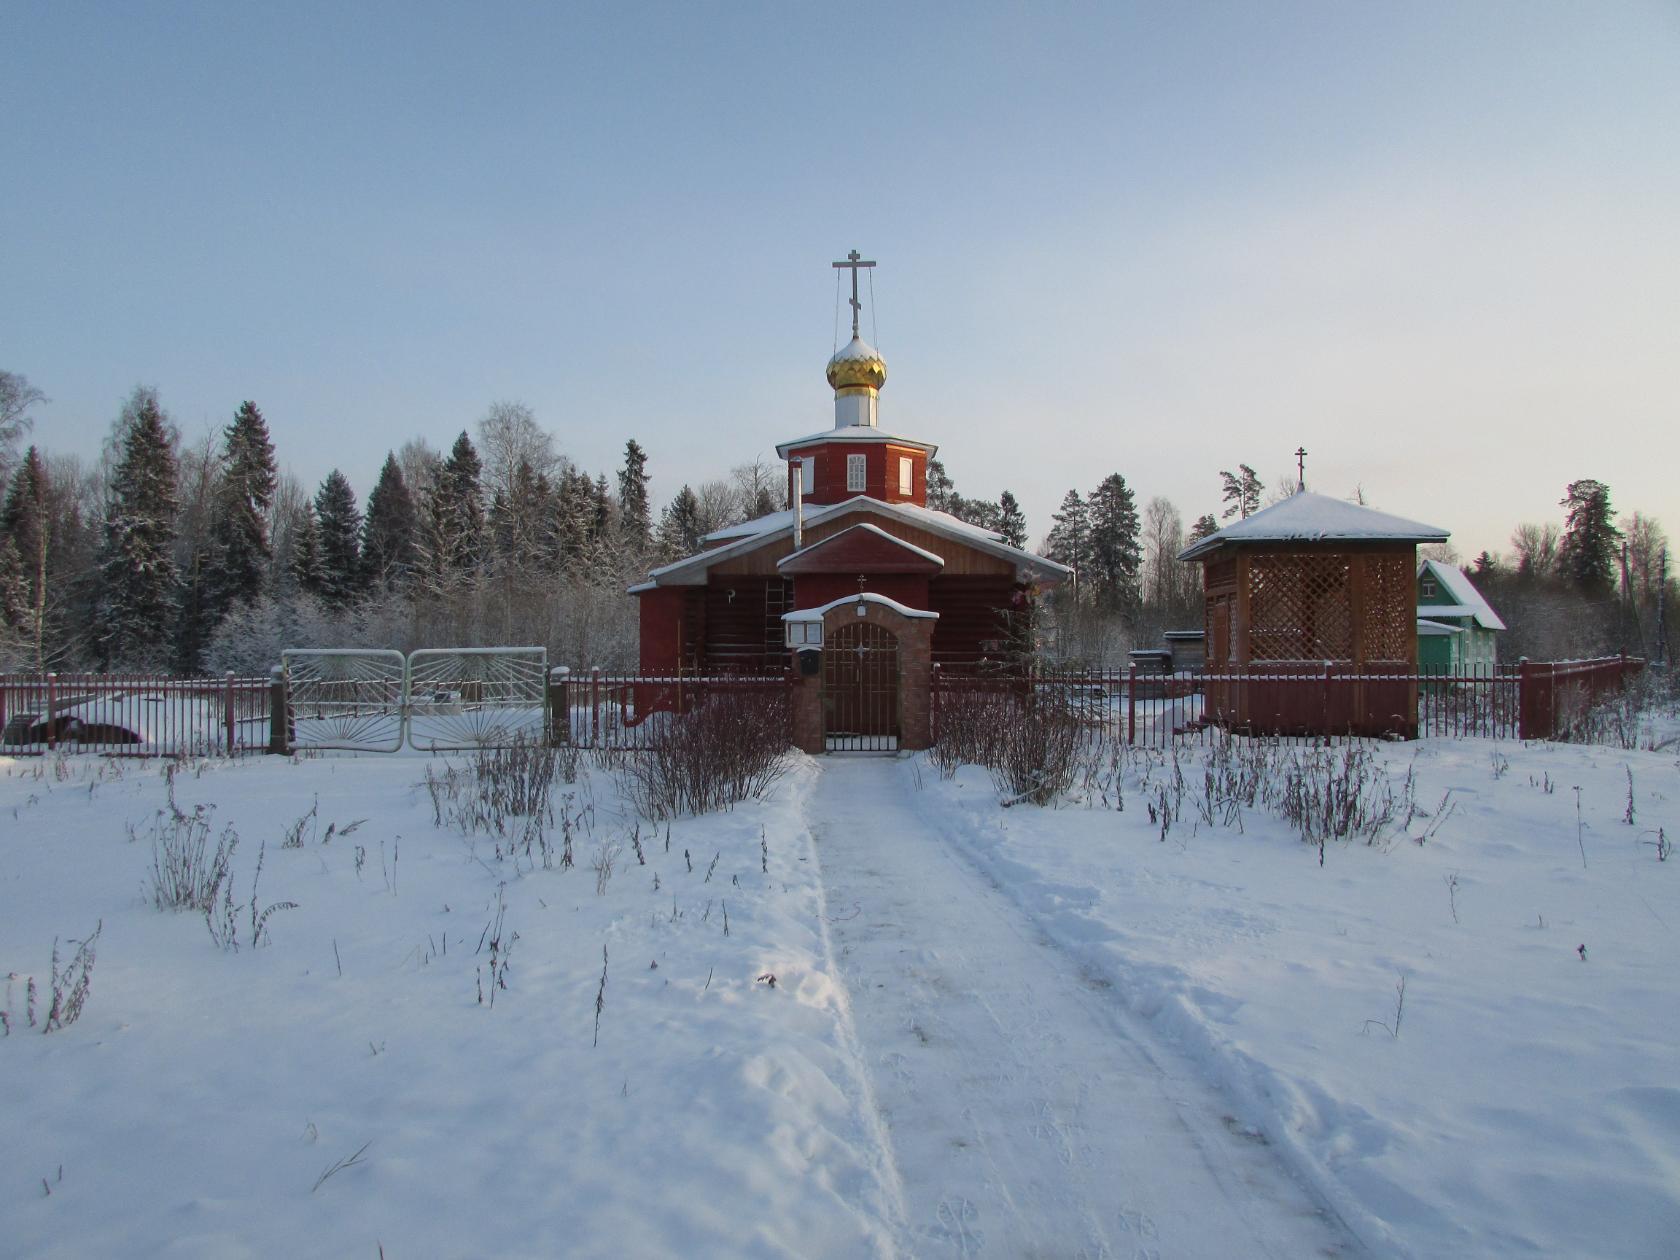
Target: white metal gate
column 435, row 699
column 475, row 697
column 348, row 698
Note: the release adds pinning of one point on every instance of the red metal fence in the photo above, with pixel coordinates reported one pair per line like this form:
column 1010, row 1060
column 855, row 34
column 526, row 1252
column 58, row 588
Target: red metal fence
column 1532, row 701
column 627, row 712
column 145, row 715
column 135, row 714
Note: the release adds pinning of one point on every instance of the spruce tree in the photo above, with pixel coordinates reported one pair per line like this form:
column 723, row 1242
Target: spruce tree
column 1116, row 556
column 454, row 517
column 1588, row 551
column 1011, row 521
column 679, row 527
column 17, row 647
column 307, row 572
column 390, row 534
column 1205, row 527
column 26, row 524
column 137, row 575
column 240, row 550
column 635, row 521
column 339, row 526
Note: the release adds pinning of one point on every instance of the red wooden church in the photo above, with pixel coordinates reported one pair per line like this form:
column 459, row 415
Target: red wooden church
column 859, row 580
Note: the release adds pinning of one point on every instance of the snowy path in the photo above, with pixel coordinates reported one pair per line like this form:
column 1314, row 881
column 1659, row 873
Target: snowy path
column 1027, row 1115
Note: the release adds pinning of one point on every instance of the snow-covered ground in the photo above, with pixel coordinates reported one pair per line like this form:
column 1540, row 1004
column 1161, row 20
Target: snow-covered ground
column 991, row 1029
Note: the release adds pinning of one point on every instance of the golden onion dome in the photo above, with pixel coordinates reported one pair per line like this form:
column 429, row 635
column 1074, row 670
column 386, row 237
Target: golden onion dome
column 857, row 365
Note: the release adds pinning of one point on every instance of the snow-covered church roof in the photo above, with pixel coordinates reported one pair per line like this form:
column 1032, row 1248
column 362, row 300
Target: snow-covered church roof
column 739, row 539
column 1308, row 517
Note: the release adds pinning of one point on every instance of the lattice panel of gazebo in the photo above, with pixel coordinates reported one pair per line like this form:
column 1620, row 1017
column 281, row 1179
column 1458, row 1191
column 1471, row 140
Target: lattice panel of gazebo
column 1390, row 608
column 1299, row 609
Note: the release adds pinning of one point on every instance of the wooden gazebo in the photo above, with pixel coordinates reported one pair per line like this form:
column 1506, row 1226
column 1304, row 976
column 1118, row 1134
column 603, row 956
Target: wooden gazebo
column 1310, row 603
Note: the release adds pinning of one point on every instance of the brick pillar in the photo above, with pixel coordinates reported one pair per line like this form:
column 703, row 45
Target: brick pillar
column 807, row 712
column 915, row 682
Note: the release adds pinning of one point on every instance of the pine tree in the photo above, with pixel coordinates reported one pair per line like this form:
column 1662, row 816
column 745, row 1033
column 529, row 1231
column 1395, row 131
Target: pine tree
column 390, row 534
column 240, row 552
column 679, row 527
column 1116, row 557
column 634, row 519
column 1241, row 492
column 941, row 491
column 1205, row 527
column 1011, row 521
column 137, row 574
column 1590, row 545
column 339, row 526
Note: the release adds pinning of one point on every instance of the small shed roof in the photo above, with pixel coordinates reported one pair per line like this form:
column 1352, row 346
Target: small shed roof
column 1463, row 599
column 1308, row 517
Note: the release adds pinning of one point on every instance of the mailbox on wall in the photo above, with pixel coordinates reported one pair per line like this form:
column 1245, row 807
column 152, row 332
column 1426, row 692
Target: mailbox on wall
column 810, row 661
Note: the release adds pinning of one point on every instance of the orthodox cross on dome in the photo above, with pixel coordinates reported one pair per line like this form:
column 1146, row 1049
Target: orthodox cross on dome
column 854, row 260
column 1300, row 468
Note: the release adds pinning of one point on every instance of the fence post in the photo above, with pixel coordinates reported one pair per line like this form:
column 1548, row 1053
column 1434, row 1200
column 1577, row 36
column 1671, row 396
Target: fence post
column 559, row 705
column 1327, row 677
column 1131, row 703
column 52, row 704
column 279, row 721
column 227, row 710
column 933, row 703
column 595, row 704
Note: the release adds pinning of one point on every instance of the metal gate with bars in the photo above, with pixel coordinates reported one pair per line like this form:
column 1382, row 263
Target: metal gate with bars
column 860, row 690
column 435, row 699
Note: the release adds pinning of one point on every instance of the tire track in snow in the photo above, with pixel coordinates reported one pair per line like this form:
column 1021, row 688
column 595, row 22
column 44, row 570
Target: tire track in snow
column 1026, row 1115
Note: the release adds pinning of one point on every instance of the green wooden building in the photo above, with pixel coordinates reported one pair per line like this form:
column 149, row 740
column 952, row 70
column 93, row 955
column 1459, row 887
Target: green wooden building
column 1457, row 629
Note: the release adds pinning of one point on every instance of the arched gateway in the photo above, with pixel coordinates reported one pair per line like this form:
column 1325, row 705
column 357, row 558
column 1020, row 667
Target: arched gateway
column 860, row 689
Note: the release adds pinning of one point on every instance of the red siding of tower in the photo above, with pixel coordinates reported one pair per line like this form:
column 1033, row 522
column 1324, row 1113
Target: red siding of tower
column 828, row 483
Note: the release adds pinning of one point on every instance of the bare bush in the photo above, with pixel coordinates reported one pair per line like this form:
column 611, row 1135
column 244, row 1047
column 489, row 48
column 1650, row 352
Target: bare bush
column 972, row 722
column 1331, row 796
column 1035, row 743
column 187, row 874
column 1040, row 752
column 72, row 984
column 505, row 793
column 729, row 747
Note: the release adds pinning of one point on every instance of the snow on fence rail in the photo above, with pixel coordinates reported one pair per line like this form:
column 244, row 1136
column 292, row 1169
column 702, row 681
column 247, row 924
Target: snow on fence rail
column 1533, row 700
column 626, row 712
column 133, row 714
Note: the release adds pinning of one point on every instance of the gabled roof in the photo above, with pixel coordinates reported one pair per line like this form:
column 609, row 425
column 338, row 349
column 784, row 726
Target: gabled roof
column 862, row 545
column 1308, row 517
column 1464, row 600
column 691, row 570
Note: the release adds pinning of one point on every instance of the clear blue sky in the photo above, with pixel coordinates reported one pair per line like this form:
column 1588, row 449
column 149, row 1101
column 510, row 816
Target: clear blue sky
column 1439, row 244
